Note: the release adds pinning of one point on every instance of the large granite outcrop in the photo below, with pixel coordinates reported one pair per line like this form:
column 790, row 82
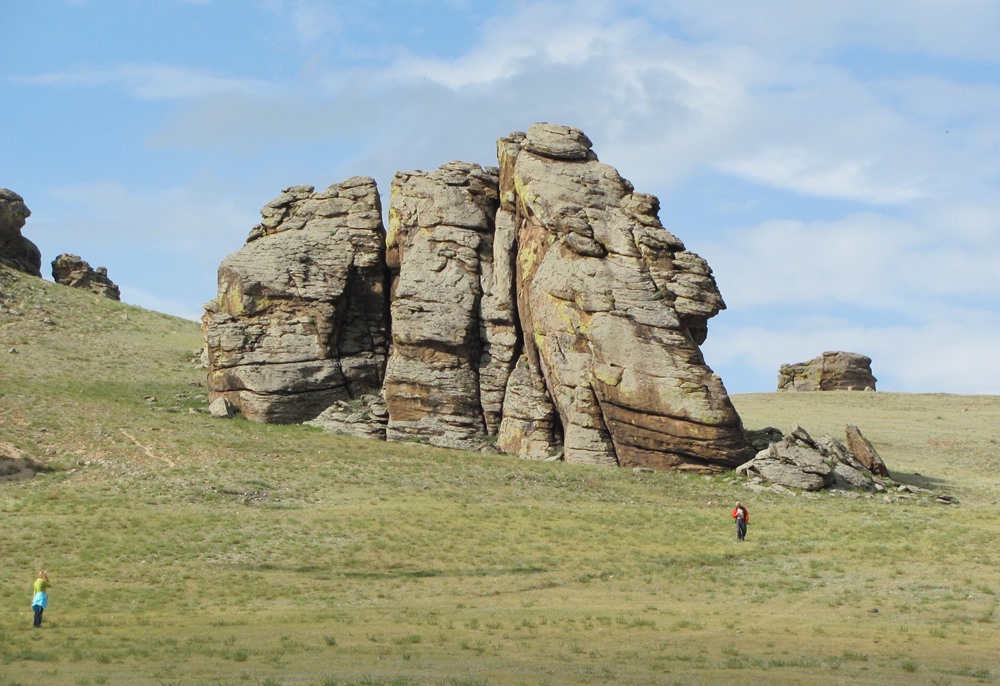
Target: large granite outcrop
column 831, row 371
column 300, row 319
column 72, row 270
column 540, row 305
column 16, row 251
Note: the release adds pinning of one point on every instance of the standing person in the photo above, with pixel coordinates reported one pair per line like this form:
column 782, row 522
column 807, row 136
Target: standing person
column 41, row 598
column 742, row 517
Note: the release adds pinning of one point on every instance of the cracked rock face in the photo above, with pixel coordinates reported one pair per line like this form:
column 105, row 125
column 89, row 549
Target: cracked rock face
column 540, row 304
column 300, row 319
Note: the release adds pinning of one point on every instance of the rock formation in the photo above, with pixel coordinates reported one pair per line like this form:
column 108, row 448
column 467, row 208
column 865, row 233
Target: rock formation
column 300, row 320
column 71, row 270
column 613, row 308
column 831, row 371
column 16, row 251
column 796, row 460
column 541, row 303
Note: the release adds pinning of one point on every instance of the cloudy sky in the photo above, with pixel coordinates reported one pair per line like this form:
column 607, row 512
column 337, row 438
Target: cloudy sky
column 837, row 163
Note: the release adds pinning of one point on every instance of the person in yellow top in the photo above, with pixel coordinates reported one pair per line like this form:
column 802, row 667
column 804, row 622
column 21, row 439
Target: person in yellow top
column 40, row 601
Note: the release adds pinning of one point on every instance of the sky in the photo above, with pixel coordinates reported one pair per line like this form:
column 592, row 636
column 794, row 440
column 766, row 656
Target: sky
column 836, row 163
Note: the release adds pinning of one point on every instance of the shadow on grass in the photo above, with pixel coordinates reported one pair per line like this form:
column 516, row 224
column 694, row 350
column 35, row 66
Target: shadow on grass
column 919, row 480
column 18, row 468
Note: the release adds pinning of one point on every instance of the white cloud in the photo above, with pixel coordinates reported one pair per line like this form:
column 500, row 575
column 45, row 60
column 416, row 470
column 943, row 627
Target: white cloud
column 152, row 81
column 812, row 172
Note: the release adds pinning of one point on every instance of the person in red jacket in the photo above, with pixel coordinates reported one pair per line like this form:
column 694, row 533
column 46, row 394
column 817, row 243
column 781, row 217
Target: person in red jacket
column 742, row 517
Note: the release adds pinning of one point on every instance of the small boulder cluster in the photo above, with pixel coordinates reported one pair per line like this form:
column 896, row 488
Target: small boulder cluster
column 795, row 461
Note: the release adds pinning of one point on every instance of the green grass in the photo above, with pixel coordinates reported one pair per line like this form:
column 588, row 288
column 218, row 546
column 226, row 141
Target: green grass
column 187, row 550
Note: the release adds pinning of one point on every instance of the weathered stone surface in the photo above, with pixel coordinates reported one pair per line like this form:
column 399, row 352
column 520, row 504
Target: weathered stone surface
column 71, row 270
column 301, row 316
column 613, row 308
column 16, row 251
column 831, row 371
column 439, row 250
column 865, row 451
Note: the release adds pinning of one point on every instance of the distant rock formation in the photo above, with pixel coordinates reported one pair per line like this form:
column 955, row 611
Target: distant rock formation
column 540, row 306
column 16, row 251
column 71, row 270
column 831, row 371
column 300, row 321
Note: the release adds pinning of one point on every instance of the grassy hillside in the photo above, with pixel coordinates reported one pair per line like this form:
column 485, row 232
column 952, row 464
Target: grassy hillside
column 188, row 550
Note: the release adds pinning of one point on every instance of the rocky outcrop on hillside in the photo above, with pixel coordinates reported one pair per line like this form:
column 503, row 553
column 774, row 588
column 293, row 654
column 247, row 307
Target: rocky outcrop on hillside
column 16, row 251
column 540, row 306
column 831, row 371
column 794, row 461
column 71, row 270
column 300, row 319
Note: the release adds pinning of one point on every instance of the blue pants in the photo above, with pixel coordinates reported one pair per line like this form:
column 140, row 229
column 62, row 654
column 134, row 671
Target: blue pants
column 38, row 614
column 741, row 528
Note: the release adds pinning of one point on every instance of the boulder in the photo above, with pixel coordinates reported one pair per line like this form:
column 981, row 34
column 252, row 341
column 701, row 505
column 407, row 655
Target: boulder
column 71, row 270
column 16, row 251
column 301, row 317
column 831, row 371
column 221, row 408
column 862, row 448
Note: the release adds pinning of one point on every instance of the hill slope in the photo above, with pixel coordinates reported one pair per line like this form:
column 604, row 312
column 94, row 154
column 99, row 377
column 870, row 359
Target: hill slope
column 184, row 549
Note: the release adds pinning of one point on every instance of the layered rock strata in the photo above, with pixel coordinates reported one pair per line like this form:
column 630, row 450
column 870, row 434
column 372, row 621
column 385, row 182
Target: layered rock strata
column 71, row 270
column 16, row 251
column 300, row 319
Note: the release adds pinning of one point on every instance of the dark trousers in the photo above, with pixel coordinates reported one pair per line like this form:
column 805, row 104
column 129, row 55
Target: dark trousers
column 38, row 614
column 741, row 528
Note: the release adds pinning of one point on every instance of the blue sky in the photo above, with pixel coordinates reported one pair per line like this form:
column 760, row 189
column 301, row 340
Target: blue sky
column 837, row 164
